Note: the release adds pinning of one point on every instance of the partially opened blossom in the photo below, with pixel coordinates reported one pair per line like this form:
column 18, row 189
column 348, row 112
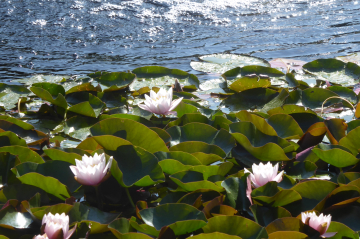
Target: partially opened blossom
column 92, row 170
column 319, row 223
column 54, row 224
column 160, row 103
column 264, row 173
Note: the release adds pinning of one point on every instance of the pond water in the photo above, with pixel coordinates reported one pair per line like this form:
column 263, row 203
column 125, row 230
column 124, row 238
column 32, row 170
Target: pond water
column 77, row 37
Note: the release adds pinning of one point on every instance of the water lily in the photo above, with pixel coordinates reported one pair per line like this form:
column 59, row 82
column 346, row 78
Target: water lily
column 320, row 223
column 41, row 237
column 92, row 170
column 264, row 173
column 55, row 224
column 160, row 103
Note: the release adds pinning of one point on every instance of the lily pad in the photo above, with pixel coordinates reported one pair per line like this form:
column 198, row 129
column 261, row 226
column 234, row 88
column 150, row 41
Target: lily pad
column 153, row 76
column 181, row 218
column 138, row 134
column 220, row 63
column 333, row 70
column 201, row 132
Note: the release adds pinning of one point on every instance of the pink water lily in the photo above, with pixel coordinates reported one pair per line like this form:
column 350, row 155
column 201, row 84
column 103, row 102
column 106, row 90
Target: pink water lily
column 320, row 223
column 160, row 103
column 264, row 173
column 91, row 170
column 54, row 224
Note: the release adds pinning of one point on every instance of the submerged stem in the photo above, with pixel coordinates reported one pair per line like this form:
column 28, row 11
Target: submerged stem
column 129, row 197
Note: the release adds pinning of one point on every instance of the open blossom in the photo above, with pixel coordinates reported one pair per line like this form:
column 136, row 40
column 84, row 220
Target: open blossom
column 91, row 170
column 54, row 224
column 160, row 103
column 264, row 173
column 320, row 223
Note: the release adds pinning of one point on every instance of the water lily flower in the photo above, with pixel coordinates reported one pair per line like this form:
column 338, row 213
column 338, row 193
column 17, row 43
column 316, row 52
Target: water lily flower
column 54, row 224
column 264, row 173
column 92, row 170
column 320, row 223
column 41, row 237
column 160, row 103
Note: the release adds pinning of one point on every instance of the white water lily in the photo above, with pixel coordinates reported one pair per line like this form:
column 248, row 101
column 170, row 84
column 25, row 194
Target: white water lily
column 319, row 223
column 91, row 170
column 54, row 224
column 264, row 173
column 160, row 103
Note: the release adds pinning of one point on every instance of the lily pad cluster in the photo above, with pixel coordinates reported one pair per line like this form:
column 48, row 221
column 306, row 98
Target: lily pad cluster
column 183, row 175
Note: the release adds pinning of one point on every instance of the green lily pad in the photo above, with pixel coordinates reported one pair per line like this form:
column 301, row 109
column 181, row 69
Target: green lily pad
column 9, row 138
column 215, row 235
column 198, row 146
column 312, row 192
column 85, row 104
column 22, row 192
column 22, row 130
column 188, row 118
column 332, row 70
column 285, row 224
column 246, row 83
column 57, row 154
column 181, row 218
column 260, row 145
column 184, row 108
column 263, row 70
column 336, row 156
column 59, row 170
column 99, row 220
column 285, row 126
column 355, row 58
column 115, row 80
column 42, row 78
column 315, row 97
column 153, row 76
column 10, row 94
column 201, row 132
column 280, row 199
column 225, row 224
column 9, row 216
column 136, row 118
column 49, row 184
column 249, row 99
column 236, row 193
column 286, row 235
column 24, row 154
column 138, row 134
column 192, row 180
column 352, row 141
column 220, row 63
column 265, row 215
column 290, row 109
column 78, row 127
column 46, row 91
column 142, row 170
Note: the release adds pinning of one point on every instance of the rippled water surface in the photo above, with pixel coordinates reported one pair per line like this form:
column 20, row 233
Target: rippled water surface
column 76, row 37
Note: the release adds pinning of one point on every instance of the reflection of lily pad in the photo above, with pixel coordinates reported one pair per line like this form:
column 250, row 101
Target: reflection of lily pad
column 220, row 63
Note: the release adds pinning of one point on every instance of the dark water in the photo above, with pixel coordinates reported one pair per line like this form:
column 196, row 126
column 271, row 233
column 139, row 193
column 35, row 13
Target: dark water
column 76, row 37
